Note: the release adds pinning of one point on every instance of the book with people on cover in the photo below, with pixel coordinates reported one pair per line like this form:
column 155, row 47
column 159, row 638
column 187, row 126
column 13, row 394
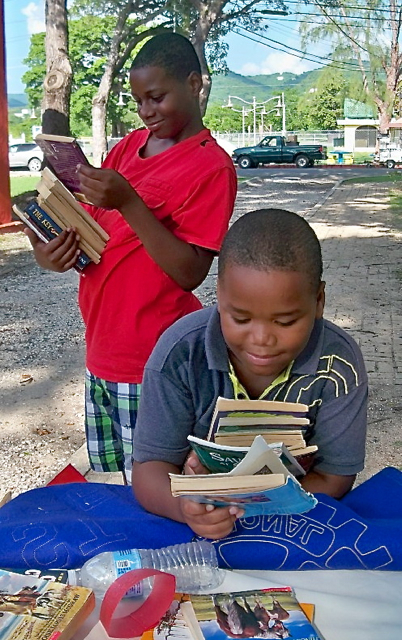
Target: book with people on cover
column 64, row 154
column 34, row 608
column 263, row 613
column 260, row 484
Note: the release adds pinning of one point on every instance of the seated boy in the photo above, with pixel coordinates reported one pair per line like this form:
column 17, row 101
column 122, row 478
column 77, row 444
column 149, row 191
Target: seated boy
column 266, row 339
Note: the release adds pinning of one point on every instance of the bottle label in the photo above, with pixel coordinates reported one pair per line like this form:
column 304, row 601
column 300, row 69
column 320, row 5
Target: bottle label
column 126, row 561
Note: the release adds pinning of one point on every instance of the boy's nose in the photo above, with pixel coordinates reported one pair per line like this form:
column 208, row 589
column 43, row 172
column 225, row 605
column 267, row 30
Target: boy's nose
column 146, row 110
column 263, row 336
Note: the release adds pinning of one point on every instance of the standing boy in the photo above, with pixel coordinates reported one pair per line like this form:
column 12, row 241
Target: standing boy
column 266, row 339
column 165, row 195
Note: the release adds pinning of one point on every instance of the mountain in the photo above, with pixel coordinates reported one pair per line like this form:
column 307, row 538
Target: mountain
column 261, row 87
column 17, row 100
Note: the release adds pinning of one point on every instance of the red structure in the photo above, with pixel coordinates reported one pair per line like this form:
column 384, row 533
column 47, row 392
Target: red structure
column 6, row 223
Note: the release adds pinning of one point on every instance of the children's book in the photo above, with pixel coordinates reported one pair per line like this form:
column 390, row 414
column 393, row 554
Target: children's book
column 260, row 484
column 34, row 608
column 263, row 613
column 64, row 154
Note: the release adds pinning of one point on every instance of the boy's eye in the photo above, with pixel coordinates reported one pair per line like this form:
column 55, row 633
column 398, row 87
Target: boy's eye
column 240, row 320
column 158, row 98
column 288, row 323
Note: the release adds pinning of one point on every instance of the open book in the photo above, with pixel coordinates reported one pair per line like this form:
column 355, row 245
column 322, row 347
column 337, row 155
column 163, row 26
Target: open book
column 260, row 484
column 259, row 613
column 64, row 154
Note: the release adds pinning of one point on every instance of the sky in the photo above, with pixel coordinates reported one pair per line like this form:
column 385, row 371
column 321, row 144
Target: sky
column 24, row 17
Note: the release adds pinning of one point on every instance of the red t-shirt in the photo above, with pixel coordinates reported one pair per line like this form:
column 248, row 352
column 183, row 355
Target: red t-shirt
column 127, row 300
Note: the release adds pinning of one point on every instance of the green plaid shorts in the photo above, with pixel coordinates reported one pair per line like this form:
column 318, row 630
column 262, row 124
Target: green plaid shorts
column 110, row 416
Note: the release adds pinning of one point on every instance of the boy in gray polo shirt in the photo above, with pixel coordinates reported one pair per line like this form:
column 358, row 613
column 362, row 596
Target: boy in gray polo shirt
column 266, row 339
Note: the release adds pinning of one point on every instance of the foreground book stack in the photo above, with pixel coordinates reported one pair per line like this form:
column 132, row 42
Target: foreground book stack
column 56, row 209
column 260, row 484
column 263, row 613
column 260, row 478
column 35, row 608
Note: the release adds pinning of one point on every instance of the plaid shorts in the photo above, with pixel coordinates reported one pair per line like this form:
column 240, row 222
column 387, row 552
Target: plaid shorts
column 110, row 416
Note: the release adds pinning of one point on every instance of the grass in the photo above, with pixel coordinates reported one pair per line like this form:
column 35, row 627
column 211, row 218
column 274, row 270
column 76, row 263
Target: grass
column 22, row 184
column 396, row 176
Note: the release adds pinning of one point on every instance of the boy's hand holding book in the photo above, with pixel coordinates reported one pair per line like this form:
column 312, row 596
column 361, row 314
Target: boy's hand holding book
column 105, row 188
column 60, row 254
column 205, row 519
column 209, row 521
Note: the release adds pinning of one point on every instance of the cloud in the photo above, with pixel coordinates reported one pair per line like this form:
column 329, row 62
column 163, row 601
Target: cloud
column 277, row 63
column 35, row 15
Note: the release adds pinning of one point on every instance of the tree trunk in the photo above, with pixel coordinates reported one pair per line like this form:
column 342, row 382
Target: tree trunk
column 57, row 83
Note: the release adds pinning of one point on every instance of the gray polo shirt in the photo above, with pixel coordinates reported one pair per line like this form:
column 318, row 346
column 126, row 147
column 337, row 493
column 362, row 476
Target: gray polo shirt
column 189, row 368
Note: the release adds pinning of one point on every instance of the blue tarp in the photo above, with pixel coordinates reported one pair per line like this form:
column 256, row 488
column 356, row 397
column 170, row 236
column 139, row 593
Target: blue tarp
column 62, row 526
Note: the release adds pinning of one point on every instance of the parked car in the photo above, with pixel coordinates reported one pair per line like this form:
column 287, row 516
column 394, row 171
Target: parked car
column 26, row 154
column 277, row 150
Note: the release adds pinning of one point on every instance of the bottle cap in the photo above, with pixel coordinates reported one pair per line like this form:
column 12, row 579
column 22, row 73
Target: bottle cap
column 148, row 614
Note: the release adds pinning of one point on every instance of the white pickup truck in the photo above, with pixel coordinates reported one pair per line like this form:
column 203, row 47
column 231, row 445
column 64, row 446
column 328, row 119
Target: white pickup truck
column 389, row 157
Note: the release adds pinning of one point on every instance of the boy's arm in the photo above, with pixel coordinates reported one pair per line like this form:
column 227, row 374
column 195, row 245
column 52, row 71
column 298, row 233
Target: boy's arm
column 186, row 264
column 330, row 484
column 151, row 485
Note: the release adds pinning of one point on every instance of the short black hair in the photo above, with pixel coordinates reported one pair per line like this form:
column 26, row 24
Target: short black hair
column 272, row 240
column 170, row 51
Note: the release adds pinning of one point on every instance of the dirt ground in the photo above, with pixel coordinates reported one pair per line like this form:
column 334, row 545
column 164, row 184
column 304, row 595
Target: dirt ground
column 42, row 355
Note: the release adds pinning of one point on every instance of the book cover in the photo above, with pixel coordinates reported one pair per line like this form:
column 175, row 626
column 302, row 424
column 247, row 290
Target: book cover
column 64, row 154
column 32, row 608
column 40, row 222
column 263, row 613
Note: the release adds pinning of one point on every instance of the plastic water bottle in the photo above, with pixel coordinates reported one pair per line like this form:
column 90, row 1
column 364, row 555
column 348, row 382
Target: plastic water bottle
column 194, row 564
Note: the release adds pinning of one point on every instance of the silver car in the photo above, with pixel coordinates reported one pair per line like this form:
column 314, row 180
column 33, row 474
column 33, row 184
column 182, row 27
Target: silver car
column 26, row 154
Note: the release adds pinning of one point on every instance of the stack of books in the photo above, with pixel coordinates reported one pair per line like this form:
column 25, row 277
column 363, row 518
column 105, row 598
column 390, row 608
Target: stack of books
column 56, row 207
column 237, row 422
column 261, row 477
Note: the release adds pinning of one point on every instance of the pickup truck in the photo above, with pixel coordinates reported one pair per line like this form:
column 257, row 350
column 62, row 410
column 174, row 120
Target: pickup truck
column 276, row 149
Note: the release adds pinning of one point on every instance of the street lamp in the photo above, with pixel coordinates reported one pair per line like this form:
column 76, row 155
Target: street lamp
column 121, row 102
column 254, row 105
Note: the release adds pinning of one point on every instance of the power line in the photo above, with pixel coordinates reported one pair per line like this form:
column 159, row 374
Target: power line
column 300, row 54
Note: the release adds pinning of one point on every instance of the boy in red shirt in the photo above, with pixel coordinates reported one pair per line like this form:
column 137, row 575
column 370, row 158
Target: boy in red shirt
column 165, row 195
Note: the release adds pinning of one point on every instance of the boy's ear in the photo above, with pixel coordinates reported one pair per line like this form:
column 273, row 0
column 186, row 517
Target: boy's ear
column 320, row 301
column 195, row 82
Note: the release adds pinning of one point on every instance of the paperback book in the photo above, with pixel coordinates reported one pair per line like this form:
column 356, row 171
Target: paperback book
column 64, row 154
column 263, row 613
column 34, row 608
column 260, row 484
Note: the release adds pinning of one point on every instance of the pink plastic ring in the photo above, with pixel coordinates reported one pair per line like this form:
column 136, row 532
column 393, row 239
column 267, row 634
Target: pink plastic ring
column 148, row 614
